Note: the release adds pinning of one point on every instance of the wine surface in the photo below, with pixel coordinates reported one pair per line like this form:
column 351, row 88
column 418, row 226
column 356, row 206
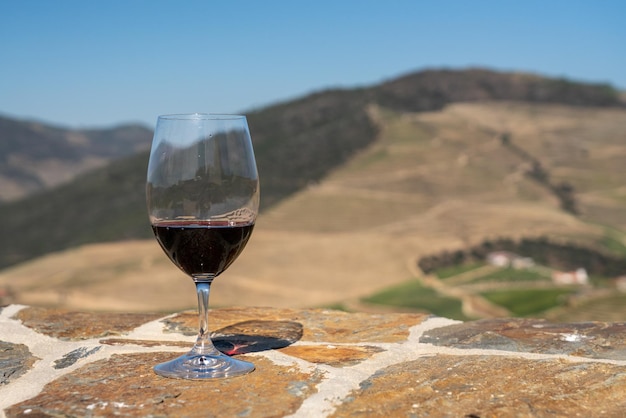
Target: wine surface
column 202, row 247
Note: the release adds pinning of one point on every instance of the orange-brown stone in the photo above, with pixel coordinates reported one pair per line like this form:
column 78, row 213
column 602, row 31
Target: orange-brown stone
column 125, row 385
column 337, row 356
column 144, row 343
column 488, row 386
column 68, row 325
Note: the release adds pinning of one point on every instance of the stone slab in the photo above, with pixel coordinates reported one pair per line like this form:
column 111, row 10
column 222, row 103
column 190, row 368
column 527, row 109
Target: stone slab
column 586, row 339
column 332, row 355
column 68, row 325
column 15, row 360
column 487, row 386
column 311, row 363
column 125, row 385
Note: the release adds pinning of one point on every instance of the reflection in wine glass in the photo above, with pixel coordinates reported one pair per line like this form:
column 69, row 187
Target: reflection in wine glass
column 203, row 198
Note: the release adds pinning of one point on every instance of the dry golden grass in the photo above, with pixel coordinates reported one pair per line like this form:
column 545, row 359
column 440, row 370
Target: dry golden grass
column 433, row 181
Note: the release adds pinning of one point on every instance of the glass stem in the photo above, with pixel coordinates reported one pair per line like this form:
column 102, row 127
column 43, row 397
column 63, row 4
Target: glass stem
column 204, row 345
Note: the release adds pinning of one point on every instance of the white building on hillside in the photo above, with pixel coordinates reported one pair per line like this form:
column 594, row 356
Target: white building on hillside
column 578, row 276
column 508, row 259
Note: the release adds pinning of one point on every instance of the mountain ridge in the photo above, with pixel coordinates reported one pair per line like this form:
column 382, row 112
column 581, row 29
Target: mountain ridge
column 432, row 182
column 35, row 156
column 433, row 89
column 297, row 143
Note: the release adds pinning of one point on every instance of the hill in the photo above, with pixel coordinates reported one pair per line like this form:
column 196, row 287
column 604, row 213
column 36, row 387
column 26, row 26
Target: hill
column 431, row 181
column 36, row 156
column 297, row 144
column 433, row 89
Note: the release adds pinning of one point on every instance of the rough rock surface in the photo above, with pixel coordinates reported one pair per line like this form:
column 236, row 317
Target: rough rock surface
column 310, row 363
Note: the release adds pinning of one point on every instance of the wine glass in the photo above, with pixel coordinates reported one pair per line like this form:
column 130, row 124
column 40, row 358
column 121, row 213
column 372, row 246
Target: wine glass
column 203, row 198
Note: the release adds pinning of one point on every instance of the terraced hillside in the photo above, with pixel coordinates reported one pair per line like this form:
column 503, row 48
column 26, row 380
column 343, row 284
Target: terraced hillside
column 431, row 181
column 297, row 143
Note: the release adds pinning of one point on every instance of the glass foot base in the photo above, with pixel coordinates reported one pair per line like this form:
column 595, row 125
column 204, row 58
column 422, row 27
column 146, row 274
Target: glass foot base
column 198, row 367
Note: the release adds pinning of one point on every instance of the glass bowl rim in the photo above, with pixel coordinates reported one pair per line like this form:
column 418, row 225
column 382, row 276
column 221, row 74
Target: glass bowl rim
column 202, row 116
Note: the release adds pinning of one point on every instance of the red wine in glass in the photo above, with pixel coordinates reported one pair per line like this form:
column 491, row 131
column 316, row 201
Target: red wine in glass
column 202, row 248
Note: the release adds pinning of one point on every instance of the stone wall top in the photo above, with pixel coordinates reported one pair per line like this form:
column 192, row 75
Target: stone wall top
column 310, row 363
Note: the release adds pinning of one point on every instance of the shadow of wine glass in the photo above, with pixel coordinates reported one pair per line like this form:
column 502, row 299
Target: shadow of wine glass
column 255, row 335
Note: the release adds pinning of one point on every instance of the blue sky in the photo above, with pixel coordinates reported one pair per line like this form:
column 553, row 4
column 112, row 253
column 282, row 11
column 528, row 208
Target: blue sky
column 100, row 63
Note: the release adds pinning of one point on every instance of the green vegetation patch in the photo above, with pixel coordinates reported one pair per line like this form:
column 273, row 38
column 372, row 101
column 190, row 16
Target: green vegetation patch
column 613, row 240
column 528, row 302
column 451, row 271
column 513, row 275
column 414, row 295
